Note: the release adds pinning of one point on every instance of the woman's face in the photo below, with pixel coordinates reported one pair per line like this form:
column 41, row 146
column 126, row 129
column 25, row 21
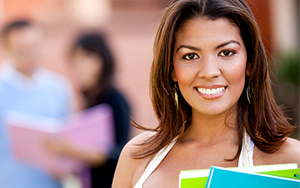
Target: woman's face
column 86, row 68
column 209, row 65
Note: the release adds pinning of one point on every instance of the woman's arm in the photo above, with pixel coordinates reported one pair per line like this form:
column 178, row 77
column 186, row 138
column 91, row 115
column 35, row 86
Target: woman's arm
column 289, row 152
column 63, row 147
column 125, row 169
column 126, row 174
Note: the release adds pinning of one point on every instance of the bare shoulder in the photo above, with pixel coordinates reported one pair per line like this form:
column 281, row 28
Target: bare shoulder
column 289, row 152
column 134, row 142
column 127, row 165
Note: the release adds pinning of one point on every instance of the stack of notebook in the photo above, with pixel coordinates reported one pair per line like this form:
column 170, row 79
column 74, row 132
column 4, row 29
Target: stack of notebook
column 266, row 176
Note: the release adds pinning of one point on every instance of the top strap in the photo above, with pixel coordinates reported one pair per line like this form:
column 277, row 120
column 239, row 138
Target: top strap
column 245, row 159
column 246, row 156
column 154, row 164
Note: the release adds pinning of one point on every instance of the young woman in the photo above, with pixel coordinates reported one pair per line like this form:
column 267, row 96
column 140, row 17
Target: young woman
column 93, row 64
column 93, row 67
column 211, row 93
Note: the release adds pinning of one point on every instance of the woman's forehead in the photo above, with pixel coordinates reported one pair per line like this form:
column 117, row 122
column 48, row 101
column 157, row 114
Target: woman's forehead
column 202, row 29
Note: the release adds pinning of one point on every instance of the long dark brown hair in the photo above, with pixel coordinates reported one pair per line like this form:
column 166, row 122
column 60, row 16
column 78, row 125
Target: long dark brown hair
column 263, row 120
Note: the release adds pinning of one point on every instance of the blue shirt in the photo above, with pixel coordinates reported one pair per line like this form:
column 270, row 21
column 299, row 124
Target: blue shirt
column 45, row 94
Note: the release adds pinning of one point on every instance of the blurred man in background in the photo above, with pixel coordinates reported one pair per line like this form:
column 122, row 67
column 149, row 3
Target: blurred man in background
column 27, row 87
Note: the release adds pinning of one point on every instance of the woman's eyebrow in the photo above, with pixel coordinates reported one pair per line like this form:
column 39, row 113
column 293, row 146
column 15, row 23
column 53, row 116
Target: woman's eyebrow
column 226, row 43
column 188, row 47
column 199, row 49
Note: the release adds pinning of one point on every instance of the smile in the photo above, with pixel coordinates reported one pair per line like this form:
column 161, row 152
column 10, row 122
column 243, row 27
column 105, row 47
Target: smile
column 211, row 91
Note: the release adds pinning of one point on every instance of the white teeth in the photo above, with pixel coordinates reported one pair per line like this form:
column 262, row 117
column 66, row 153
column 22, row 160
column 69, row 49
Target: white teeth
column 211, row 91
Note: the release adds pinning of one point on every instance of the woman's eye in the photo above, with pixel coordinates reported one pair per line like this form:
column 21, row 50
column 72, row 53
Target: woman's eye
column 190, row 56
column 226, row 53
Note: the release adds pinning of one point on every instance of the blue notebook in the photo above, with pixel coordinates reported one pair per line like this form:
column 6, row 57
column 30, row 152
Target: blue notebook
column 229, row 178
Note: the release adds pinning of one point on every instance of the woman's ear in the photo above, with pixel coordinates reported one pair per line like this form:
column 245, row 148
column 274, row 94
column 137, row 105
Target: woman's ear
column 174, row 78
column 248, row 69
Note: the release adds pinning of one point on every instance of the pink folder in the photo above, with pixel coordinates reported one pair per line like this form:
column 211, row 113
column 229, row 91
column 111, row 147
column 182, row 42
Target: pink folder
column 89, row 129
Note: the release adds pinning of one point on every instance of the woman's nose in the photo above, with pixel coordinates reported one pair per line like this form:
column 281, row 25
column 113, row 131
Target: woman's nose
column 209, row 68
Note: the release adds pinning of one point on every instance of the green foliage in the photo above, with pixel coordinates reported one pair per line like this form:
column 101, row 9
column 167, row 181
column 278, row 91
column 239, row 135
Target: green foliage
column 288, row 69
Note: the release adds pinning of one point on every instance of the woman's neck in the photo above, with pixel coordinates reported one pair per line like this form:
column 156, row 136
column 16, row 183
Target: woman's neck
column 212, row 128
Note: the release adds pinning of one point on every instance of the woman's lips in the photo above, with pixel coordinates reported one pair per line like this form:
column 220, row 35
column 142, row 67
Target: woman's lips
column 211, row 93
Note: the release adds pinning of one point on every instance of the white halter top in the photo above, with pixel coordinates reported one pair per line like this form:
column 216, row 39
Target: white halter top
column 245, row 159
